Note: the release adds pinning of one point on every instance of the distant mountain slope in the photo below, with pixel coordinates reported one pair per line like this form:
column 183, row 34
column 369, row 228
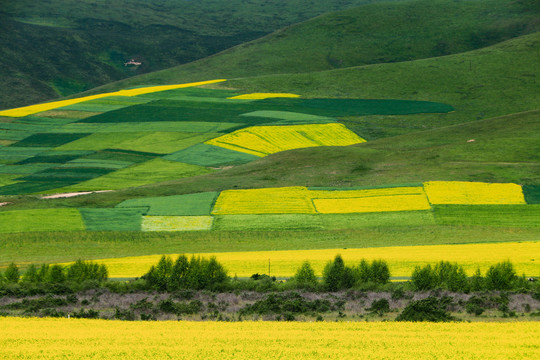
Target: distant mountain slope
column 493, row 81
column 370, row 34
column 60, row 47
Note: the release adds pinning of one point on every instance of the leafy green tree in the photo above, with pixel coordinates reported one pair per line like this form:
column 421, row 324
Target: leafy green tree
column 336, row 276
column 56, row 274
column 379, row 272
column 451, row 276
column 423, row 278
column 305, row 276
column 12, row 274
column 81, row 271
column 31, row 275
column 500, row 276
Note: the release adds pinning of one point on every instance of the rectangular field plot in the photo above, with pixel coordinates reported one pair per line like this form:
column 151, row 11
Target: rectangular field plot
column 177, row 223
column 287, row 200
column 269, row 222
column 100, row 141
column 195, row 92
column 113, row 219
column 381, row 219
column 41, row 220
column 352, row 107
column 488, row 215
column 372, row 200
column 149, row 172
column 265, row 140
column 165, row 142
column 62, row 116
column 120, row 155
column 67, row 174
column 49, row 139
column 531, row 194
column 190, row 204
column 210, row 155
column 473, row 193
column 7, row 179
column 14, row 135
column 107, row 104
column 174, row 126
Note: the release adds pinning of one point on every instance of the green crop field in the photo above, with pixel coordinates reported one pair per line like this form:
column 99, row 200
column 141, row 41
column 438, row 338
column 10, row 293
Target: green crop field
column 191, row 204
column 41, row 220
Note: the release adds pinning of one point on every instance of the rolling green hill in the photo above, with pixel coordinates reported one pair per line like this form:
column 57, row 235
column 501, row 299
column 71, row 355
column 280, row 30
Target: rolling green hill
column 60, row 47
column 369, row 34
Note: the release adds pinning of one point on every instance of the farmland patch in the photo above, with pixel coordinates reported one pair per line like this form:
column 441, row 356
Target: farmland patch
column 190, row 204
column 469, row 193
column 210, row 155
column 176, row 223
column 41, row 220
column 265, row 140
column 488, row 215
column 112, row 219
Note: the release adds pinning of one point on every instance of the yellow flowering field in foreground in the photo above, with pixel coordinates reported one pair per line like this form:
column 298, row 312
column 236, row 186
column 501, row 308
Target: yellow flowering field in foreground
column 265, row 140
column 48, row 338
column 401, row 259
column 286, row 200
column 473, row 193
column 34, row 109
column 260, row 96
column 176, row 223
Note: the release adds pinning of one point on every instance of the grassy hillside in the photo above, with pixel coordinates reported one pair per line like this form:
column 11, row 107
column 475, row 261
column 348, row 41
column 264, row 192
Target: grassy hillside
column 489, row 82
column 370, row 34
column 60, row 47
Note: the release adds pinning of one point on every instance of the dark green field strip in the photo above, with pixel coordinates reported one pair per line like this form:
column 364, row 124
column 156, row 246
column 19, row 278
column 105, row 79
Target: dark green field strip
column 167, row 110
column 25, row 169
column 209, row 155
column 532, row 194
column 113, row 219
column 350, row 107
column 120, row 155
column 134, row 126
column 290, row 118
column 30, row 187
column 53, row 159
column 190, row 204
column 49, row 139
column 53, row 118
column 488, row 215
column 68, row 174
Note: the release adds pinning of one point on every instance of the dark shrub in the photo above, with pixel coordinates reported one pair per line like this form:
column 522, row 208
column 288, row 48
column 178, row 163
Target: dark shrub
column 429, row 309
column 12, row 274
column 475, row 305
column 380, row 306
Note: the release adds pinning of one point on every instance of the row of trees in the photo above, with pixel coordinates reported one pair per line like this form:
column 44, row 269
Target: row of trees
column 78, row 272
column 197, row 273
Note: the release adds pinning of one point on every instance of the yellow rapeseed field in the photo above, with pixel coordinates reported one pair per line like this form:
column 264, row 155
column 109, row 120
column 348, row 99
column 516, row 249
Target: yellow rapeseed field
column 176, row 223
column 33, row 109
column 473, row 193
column 287, row 200
column 265, row 140
column 260, row 96
column 401, row 259
column 48, row 338
column 371, row 200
